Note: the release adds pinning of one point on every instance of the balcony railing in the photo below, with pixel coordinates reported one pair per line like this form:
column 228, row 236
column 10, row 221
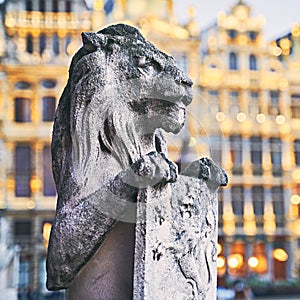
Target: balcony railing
column 15, row 20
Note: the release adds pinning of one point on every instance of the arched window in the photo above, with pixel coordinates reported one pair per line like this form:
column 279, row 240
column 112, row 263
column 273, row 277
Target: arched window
column 252, row 62
column 68, row 5
column 28, row 5
column 55, row 5
column 22, row 85
column 22, row 110
column 23, row 170
column 29, row 44
column 42, row 5
column 42, row 43
column 233, row 61
column 48, row 108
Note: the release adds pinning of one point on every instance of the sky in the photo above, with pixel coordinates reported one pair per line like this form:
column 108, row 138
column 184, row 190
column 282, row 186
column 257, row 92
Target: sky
column 280, row 15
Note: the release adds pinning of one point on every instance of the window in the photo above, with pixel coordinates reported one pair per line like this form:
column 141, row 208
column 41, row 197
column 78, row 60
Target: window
column 238, row 200
column 252, row 35
column 297, row 152
column 29, row 44
column 232, row 34
column 55, row 44
column 233, row 61
column 28, row 5
column 256, row 154
column 275, row 146
column 274, row 103
column 68, row 41
column 22, row 85
column 236, row 153
column 48, row 108
column 55, row 5
column 48, row 182
column 48, row 83
column 254, row 107
column 22, row 171
column 22, row 228
column 42, row 43
column 68, row 5
column 258, row 200
column 252, row 62
column 22, row 110
column 295, row 106
column 278, row 205
column 42, row 5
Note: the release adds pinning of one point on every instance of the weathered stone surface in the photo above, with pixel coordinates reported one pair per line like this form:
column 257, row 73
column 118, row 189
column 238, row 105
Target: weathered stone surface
column 178, row 239
column 111, row 170
column 105, row 126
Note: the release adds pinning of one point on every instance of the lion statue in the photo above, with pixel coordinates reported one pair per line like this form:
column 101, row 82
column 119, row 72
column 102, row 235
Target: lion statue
column 107, row 145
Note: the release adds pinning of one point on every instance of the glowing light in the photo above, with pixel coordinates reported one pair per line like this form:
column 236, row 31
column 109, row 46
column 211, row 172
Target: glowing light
column 295, row 199
column 296, row 31
column 235, row 260
column 261, row 118
column 219, row 248
column 98, row 5
column 280, row 119
column 280, row 254
column 220, row 116
column 35, row 184
column 220, row 262
column 30, row 204
column 46, row 231
column 276, row 51
column 241, row 117
column 253, row 262
column 285, row 43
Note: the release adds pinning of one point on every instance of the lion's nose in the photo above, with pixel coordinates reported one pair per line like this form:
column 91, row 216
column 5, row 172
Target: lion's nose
column 187, row 81
column 183, row 79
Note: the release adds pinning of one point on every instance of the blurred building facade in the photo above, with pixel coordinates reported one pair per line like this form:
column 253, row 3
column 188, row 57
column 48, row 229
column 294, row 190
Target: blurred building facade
column 245, row 115
column 248, row 103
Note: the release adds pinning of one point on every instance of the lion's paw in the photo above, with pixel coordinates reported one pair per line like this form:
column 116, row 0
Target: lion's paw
column 151, row 169
column 207, row 169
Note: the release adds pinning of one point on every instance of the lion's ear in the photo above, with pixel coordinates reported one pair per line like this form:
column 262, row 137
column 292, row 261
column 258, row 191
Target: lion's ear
column 92, row 41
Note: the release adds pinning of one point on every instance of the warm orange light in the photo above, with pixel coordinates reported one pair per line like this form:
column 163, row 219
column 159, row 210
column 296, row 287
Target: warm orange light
column 220, row 116
column 241, row 117
column 30, row 204
column 253, row 262
column 235, row 260
column 280, row 254
column 260, row 118
column 295, row 199
column 35, row 184
column 46, row 231
column 220, row 262
column 219, row 248
column 280, row 119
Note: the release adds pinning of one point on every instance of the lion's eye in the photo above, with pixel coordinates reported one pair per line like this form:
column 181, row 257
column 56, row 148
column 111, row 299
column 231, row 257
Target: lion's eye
column 148, row 67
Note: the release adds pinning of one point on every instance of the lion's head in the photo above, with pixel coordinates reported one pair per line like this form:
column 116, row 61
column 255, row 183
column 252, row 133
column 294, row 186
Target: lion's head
column 120, row 87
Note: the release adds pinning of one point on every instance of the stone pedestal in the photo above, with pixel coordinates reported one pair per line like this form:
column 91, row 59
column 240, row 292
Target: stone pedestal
column 176, row 237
